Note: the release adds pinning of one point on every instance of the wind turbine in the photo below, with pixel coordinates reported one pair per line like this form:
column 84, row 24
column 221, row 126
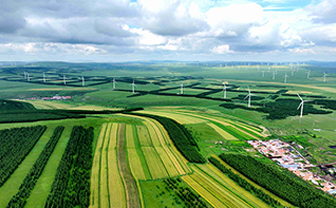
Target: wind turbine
column 44, row 77
column 249, row 97
column 224, row 90
column 64, row 79
column 301, row 104
column 83, row 81
column 263, row 73
column 133, row 85
column 274, row 73
column 182, row 88
column 324, row 76
column 113, row 83
column 308, row 74
column 286, row 77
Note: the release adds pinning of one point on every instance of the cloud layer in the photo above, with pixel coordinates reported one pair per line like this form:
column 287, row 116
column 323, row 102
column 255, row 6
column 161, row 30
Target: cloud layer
column 166, row 29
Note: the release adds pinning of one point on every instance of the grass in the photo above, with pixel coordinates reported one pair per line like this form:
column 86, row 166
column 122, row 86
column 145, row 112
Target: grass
column 43, row 186
column 223, row 133
column 11, row 186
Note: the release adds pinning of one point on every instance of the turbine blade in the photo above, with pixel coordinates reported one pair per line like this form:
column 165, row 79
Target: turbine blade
column 300, row 97
column 300, row 105
column 246, row 96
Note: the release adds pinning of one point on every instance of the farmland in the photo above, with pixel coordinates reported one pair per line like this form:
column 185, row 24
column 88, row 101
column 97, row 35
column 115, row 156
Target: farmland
column 158, row 147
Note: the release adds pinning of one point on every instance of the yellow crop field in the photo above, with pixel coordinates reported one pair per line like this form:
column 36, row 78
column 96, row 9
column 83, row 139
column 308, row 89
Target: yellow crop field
column 143, row 136
column 230, row 184
column 154, row 163
column 179, row 161
column 117, row 190
column 223, row 133
column 104, row 186
column 135, row 164
column 162, row 146
column 184, row 119
column 167, row 162
column 95, row 172
column 129, row 136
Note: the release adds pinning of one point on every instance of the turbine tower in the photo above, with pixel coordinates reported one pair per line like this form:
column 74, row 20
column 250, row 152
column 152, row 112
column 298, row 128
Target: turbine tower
column 301, row 104
column 113, row 83
column 286, row 77
column 44, row 77
column 83, row 81
column 182, row 88
column 263, row 73
column 64, row 79
column 308, row 74
column 133, row 85
column 249, row 97
column 274, row 73
column 224, row 90
column 324, row 77
column 25, row 75
column 28, row 78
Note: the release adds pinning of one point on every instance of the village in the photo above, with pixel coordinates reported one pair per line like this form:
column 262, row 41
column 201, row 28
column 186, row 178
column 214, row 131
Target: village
column 288, row 157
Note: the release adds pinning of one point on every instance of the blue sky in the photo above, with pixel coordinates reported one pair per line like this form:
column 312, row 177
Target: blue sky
column 186, row 30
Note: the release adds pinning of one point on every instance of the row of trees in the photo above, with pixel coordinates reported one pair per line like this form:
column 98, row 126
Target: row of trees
column 10, row 105
column 181, row 138
column 243, row 183
column 286, row 186
column 28, row 184
column 15, row 145
column 280, row 109
column 71, row 186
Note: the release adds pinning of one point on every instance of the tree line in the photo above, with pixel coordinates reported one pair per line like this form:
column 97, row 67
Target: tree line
column 15, row 145
column 71, row 186
column 28, row 184
column 286, row 186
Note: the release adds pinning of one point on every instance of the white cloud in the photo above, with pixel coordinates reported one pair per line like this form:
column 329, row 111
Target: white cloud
column 222, row 49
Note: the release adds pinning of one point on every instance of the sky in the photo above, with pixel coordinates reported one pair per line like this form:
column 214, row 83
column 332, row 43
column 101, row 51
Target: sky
column 183, row 30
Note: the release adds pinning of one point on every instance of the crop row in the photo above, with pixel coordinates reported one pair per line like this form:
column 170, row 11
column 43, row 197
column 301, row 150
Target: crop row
column 71, row 186
column 15, row 144
column 183, row 142
column 28, row 184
